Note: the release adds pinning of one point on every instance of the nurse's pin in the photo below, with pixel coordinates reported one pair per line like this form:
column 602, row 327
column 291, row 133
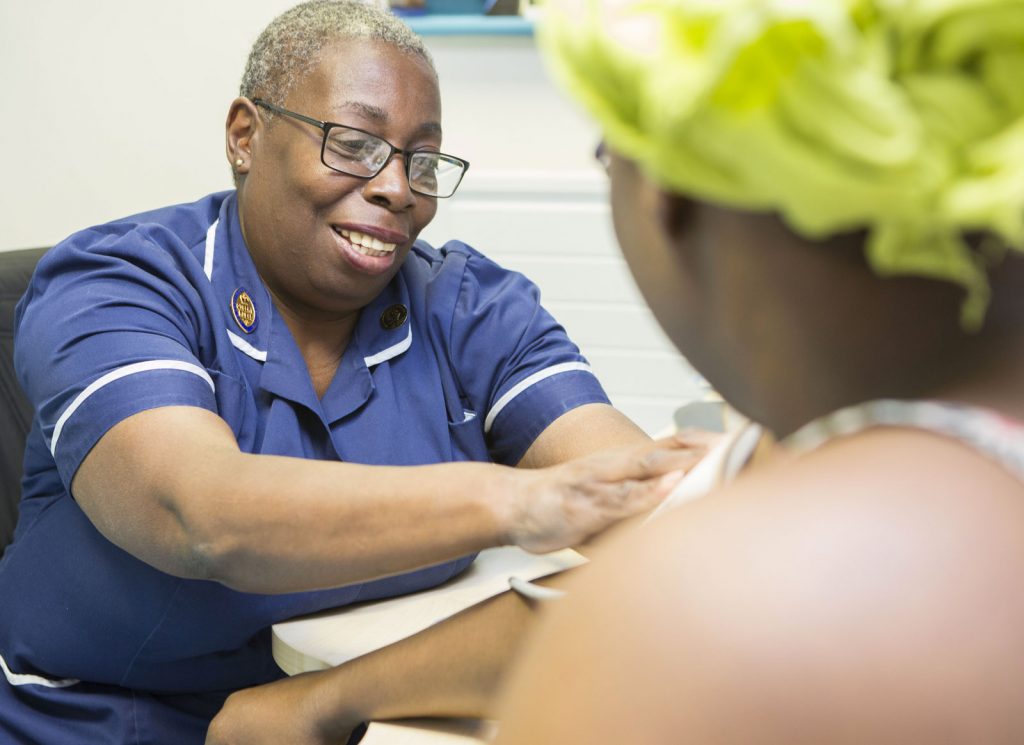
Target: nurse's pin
column 244, row 311
column 393, row 316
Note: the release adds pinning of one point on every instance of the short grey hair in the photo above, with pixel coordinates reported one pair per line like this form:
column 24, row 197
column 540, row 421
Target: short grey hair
column 289, row 48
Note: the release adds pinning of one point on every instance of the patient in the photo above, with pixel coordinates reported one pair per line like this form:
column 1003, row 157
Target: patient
column 823, row 202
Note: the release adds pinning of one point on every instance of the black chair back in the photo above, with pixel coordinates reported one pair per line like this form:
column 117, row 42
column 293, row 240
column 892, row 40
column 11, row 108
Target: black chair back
column 15, row 413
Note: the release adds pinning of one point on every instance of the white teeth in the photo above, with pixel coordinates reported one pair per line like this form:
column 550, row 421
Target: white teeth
column 367, row 244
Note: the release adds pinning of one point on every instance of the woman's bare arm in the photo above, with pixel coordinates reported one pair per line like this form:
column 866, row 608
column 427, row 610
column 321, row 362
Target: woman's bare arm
column 170, row 486
column 453, row 669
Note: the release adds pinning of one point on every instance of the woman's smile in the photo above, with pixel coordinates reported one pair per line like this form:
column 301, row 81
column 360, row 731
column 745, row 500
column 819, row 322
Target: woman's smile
column 369, row 250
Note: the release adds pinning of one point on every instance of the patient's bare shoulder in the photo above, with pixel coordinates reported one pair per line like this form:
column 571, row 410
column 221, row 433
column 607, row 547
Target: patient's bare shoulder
column 868, row 592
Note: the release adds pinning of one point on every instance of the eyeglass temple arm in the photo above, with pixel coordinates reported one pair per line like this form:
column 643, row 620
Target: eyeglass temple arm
column 292, row 114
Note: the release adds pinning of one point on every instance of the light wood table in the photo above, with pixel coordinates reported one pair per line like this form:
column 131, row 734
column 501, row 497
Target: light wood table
column 430, row 732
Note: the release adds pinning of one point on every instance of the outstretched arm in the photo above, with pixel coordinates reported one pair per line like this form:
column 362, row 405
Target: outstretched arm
column 582, row 431
column 453, row 669
column 170, row 486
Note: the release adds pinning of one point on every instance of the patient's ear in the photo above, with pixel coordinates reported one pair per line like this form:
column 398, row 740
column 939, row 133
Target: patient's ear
column 675, row 214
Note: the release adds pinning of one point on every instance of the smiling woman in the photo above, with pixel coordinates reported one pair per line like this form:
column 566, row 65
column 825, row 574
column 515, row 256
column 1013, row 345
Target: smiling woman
column 275, row 400
column 306, row 256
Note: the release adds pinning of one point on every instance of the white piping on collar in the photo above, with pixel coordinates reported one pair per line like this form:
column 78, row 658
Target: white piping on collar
column 211, row 234
column 392, row 351
column 525, row 383
column 245, row 347
column 236, row 341
column 260, row 355
column 19, row 679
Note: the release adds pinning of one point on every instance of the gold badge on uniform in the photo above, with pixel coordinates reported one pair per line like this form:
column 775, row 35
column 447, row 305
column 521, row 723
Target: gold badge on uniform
column 244, row 310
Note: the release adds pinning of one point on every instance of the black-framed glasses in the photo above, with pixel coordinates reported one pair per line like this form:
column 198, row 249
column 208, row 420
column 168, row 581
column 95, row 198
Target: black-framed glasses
column 355, row 152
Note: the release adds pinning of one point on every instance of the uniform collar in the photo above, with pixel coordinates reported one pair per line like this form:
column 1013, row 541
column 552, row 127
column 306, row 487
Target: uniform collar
column 231, row 271
column 384, row 330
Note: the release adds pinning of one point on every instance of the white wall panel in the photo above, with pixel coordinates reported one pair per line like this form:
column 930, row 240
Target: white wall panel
column 616, row 325
column 653, row 415
column 647, row 374
column 577, row 279
column 528, row 228
column 555, row 228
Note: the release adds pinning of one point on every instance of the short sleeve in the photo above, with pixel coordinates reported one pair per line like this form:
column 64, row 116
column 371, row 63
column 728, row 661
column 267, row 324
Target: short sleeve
column 514, row 360
column 109, row 328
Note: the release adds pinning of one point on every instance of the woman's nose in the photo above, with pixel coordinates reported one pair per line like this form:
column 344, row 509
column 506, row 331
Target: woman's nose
column 391, row 185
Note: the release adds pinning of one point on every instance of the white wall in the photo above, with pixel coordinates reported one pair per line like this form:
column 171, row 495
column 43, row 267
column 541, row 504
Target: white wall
column 116, row 106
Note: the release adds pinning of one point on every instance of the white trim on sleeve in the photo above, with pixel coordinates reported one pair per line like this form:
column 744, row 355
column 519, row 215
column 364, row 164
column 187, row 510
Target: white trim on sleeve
column 117, row 374
column 18, row 679
column 525, row 383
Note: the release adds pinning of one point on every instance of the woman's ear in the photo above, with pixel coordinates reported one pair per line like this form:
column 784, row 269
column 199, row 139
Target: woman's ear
column 239, row 130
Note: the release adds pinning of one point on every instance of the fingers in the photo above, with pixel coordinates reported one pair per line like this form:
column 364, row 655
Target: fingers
column 664, row 486
column 681, row 450
column 691, row 437
column 565, row 505
column 634, row 497
column 651, row 460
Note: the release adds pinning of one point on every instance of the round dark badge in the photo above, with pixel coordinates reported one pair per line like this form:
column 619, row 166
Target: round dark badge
column 244, row 311
column 393, row 316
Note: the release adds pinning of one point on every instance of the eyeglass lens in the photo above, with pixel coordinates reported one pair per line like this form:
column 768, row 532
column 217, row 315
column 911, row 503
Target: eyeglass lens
column 362, row 154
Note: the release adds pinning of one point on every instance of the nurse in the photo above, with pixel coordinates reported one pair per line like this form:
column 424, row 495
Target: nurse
column 275, row 400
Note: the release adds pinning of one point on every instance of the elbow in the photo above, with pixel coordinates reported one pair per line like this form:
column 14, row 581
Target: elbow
column 214, row 562
column 208, row 545
column 218, row 556
column 203, row 559
column 230, row 556
column 216, row 539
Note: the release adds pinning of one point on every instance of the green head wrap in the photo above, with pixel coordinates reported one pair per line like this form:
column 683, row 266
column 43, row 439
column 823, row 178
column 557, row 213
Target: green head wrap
column 904, row 117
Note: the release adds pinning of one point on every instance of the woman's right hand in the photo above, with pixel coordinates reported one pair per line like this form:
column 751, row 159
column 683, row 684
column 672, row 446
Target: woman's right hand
column 565, row 505
column 293, row 710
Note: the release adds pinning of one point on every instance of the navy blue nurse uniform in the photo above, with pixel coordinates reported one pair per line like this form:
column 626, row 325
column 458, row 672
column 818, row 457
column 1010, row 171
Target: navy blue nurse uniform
column 455, row 360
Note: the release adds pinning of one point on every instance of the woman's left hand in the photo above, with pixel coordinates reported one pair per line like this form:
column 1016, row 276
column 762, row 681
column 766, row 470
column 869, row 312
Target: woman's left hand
column 288, row 711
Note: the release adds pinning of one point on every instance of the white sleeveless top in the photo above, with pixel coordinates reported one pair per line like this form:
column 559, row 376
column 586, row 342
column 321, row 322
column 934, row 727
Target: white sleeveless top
column 983, row 430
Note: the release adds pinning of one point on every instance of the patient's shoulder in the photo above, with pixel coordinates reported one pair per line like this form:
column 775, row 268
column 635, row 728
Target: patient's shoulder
column 869, row 589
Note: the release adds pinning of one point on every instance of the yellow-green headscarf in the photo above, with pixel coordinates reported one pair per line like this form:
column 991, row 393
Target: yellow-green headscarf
column 905, row 117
